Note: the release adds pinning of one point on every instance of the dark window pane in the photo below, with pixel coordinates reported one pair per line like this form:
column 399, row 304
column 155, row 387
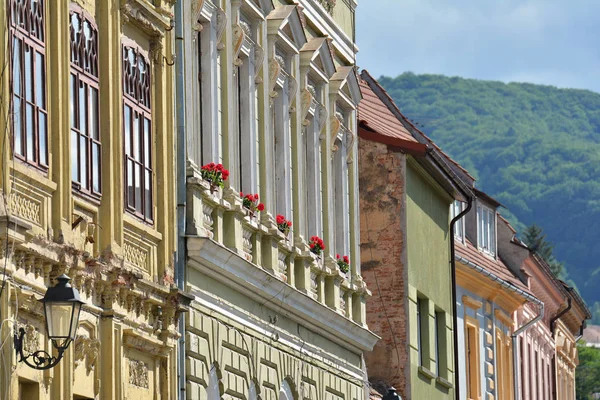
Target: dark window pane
column 40, row 96
column 83, row 157
column 127, row 127
column 82, row 109
column 29, row 134
column 74, row 156
column 28, row 71
column 73, row 100
column 130, row 183
column 148, row 194
column 138, row 188
column 96, row 167
column 136, row 136
column 17, row 118
column 147, row 143
column 42, row 132
column 17, row 67
column 94, row 113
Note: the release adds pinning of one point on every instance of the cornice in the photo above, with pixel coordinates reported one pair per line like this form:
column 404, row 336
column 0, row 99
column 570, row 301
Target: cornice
column 232, row 270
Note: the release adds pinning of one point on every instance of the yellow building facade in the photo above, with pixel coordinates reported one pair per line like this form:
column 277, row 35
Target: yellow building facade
column 87, row 185
column 271, row 93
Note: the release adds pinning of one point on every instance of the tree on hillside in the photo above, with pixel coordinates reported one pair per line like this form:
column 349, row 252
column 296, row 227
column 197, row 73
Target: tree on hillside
column 587, row 375
column 535, row 239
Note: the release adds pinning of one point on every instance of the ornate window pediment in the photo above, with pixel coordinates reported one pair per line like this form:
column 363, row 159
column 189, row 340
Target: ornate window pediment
column 316, row 54
column 344, row 84
column 284, row 22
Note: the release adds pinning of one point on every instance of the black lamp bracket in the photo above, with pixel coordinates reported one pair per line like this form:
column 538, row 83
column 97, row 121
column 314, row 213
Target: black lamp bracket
column 40, row 359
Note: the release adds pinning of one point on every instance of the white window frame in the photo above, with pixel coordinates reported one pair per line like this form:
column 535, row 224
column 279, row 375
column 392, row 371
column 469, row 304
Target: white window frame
column 341, row 193
column 244, row 113
column 282, row 132
column 486, row 229
column 205, row 145
column 459, row 227
column 311, row 150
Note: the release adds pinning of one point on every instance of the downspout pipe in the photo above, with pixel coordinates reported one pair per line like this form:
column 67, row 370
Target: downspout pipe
column 560, row 314
column 180, row 255
column 454, row 306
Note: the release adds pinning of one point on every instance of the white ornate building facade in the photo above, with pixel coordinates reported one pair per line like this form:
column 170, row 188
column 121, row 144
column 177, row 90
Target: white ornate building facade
column 269, row 90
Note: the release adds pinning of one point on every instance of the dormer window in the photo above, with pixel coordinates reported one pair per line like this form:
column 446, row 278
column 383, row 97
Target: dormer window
column 486, row 229
column 459, row 227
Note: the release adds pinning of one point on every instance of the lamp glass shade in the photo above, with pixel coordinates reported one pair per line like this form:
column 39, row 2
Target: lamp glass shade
column 62, row 319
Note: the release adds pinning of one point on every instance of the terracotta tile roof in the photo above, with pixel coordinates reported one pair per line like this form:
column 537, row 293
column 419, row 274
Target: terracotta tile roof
column 409, row 123
column 495, row 266
column 378, row 117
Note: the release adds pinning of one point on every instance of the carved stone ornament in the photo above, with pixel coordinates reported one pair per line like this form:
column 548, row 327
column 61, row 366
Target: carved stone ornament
column 196, row 11
column 31, row 340
column 274, row 70
column 156, row 51
column 293, row 89
column 350, row 146
column 335, row 129
column 246, row 28
column 259, row 56
column 221, row 24
column 322, row 118
column 86, row 350
column 23, row 207
column 137, row 15
column 138, row 373
column 306, row 99
column 328, row 5
column 238, row 40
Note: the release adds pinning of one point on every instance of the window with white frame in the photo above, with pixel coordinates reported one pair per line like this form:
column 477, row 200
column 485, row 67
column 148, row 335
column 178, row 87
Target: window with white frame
column 244, row 111
column 486, row 229
column 205, row 144
column 282, row 133
column 340, row 176
column 312, row 162
column 459, row 227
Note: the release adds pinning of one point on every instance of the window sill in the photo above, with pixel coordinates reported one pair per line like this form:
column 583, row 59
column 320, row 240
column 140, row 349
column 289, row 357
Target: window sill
column 443, row 382
column 426, row 373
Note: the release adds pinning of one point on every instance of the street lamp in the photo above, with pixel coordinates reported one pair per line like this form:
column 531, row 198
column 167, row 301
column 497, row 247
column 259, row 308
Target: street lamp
column 392, row 395
column 62, row 305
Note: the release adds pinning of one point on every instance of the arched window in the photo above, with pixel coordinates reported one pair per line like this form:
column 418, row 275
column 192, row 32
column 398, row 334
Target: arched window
column 137, row 133
column 285, row 391
column 28, row 81
column 212, row 391
column 84, row 107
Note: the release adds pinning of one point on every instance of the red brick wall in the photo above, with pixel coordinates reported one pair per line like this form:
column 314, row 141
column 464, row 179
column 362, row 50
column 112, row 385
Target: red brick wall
column 383, row 260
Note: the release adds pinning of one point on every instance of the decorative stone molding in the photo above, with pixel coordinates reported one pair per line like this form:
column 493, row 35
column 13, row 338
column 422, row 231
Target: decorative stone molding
column 322, row 119
column 336, row 124
column 306, row 99
column 350, row 146
column 86, row 350
column 238, row 40
column 274, row 70
column 293, row 89
column 220, row 28
column 138, row 373
column 25, row 208
column 471, row 302
column 156, row 51
column 259, row 56
column 151, row 24
column 196, row 11
column 31, row 340
column 135, row 256
column 328, row 5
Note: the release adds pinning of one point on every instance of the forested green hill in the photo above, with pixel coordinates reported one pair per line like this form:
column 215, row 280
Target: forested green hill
column 534, row 148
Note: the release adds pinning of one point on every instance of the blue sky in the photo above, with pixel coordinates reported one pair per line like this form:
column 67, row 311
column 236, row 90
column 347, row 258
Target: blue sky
column 553, row 42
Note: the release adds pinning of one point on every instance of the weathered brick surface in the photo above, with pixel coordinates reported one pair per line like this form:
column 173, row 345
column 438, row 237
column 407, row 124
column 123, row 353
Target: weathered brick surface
column 383, row 260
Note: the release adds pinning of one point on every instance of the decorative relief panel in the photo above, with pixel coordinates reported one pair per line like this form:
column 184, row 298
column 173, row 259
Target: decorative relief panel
column 86, row 351
column 328, row 5
column 135, row 256
column 138, row 373
column 25, row 208
column 31, row 340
